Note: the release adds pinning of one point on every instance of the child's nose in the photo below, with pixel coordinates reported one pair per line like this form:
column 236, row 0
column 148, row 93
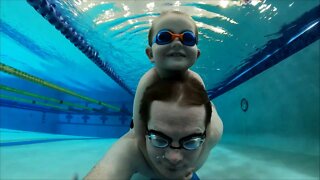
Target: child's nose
column 176, row 42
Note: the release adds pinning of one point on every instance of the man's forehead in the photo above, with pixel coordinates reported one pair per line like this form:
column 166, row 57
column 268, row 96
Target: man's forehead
column 163, row 113
column 191, row 130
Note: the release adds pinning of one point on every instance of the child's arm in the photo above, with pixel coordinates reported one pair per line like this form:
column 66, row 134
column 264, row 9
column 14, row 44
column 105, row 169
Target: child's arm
column 214, row 133
column 139, row 127
column 214, row 129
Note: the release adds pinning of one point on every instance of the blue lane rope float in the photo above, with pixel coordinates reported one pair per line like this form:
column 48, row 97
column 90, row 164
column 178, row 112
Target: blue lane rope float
column 294, row 37
column 49, row 12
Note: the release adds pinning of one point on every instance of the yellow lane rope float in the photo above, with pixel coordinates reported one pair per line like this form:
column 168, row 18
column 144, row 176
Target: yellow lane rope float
column 23, row 75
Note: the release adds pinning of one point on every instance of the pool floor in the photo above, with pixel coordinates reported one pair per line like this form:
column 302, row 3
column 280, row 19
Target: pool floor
column 48, row 156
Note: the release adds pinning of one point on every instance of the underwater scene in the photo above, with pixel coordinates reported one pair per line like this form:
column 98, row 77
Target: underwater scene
column 70, row 70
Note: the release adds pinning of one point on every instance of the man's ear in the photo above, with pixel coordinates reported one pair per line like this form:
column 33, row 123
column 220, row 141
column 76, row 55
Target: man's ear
column 149, row 54
column 198, row 54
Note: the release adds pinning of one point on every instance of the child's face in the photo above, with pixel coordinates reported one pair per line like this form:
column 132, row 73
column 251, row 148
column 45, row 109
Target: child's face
column 174, row 55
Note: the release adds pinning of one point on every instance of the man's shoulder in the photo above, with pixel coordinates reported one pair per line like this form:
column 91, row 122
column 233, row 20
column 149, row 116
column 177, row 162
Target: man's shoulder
column 134, row 154
column 120, row 162
column 127, row 151
column 129, row 143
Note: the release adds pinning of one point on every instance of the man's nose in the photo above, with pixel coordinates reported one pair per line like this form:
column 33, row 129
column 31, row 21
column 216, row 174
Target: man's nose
column 174, row 156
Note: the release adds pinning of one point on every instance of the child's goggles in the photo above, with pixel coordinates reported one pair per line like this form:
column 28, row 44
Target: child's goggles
column 165, row 36
column 160, row 140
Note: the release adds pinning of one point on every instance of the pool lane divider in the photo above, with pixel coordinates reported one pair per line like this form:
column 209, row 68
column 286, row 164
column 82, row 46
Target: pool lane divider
column 27, row 104
column 34, row 107
column 29, row 101
column 30, row 94
column 48, row 11
column 23, row 75
column 27, row 142
column 295, row 36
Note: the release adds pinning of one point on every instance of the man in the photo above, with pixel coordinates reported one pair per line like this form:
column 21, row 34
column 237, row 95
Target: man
column 177, row 115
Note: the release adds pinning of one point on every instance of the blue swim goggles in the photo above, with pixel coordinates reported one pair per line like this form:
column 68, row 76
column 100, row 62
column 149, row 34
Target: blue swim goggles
column 165, row 36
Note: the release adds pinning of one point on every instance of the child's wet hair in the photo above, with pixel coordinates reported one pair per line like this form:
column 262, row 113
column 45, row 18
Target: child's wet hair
column 151, row 30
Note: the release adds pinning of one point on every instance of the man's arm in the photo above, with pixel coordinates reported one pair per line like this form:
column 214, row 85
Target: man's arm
column 119, row 162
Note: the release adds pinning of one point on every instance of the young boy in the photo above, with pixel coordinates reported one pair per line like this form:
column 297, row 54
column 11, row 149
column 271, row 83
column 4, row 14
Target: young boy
column 173, row 39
